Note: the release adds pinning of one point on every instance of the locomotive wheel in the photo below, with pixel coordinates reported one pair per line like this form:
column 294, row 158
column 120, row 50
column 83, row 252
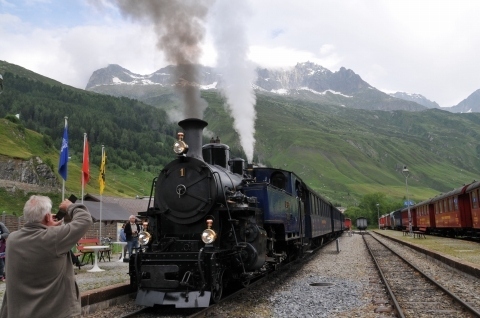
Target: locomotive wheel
column 217, row 288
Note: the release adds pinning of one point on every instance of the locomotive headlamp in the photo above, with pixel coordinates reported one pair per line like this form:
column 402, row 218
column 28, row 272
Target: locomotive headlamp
column 180, row 147
column 209, row 235
column 144, row 238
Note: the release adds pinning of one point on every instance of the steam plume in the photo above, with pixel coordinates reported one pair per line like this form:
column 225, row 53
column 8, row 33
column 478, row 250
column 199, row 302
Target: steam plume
column 238, row 72
column 179, row 25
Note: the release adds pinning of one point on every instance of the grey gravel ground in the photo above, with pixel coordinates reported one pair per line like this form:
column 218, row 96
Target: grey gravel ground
column 350, row 294
column 290, row 295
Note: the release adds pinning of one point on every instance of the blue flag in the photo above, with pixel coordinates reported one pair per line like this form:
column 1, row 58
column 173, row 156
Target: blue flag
column 62, row 165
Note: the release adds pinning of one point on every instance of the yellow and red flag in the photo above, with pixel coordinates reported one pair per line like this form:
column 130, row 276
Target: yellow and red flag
column 101, row 177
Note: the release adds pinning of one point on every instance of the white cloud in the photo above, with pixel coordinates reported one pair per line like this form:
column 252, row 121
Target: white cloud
column 428, row 47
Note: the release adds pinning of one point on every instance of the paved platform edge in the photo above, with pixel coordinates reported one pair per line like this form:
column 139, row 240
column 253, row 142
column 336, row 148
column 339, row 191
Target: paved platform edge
column 105, row 297
column 466, row 268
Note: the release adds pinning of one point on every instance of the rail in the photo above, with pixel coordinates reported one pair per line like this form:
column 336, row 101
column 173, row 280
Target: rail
column 417, row 270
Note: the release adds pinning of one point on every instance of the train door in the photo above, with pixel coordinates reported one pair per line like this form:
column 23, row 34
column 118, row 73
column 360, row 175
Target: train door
column 301, row 213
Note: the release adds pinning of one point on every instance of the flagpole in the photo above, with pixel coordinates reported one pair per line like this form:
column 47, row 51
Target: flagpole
column 101, row 194
column 63, row 180
column 83, row 162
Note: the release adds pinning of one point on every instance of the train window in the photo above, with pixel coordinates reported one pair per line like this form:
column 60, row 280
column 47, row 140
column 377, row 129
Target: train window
column 450, row 204
column 474, row 199
column 278, row 180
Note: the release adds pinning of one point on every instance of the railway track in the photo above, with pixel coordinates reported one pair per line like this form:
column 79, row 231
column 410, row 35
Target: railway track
column 414, row 293
column 210, row 311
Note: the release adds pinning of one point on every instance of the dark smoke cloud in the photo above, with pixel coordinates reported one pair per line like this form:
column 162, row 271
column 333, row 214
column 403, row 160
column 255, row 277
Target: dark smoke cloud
column 179, row 25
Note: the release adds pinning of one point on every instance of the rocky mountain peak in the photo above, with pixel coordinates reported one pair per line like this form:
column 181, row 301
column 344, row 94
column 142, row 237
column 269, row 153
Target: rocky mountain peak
column 417, row 98
column 305, row 80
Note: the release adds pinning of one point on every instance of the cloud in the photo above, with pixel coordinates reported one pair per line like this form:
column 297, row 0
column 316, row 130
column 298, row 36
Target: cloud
column 428, row 47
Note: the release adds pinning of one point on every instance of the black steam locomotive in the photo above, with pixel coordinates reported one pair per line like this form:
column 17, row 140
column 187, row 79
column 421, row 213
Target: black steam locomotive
column 216, row 223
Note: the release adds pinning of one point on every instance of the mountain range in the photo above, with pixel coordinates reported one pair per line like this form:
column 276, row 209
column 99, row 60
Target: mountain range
column 343, row 152
column 306, row 81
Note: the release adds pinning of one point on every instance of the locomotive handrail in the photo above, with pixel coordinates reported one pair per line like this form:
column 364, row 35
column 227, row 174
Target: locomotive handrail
column 152, row 189
column 202, row 276
column 230, row 217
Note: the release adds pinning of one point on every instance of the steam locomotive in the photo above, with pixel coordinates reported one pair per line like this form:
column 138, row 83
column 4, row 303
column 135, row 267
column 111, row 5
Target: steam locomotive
column 215, row 222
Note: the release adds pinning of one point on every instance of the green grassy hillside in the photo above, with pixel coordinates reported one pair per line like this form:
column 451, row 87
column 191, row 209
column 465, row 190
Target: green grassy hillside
column 346, row 153
column 20, row 143
column 343, row 153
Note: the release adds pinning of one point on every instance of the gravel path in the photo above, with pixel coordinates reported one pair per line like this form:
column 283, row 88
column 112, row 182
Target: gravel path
column 351, row 293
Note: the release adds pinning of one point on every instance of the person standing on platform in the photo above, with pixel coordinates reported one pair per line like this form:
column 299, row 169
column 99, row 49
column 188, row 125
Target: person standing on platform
column 39, row 267
column 131, row 232
column 4, row 232
column 123, row 238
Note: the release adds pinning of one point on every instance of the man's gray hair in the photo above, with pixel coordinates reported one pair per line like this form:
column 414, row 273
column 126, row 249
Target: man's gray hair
column 36, row 208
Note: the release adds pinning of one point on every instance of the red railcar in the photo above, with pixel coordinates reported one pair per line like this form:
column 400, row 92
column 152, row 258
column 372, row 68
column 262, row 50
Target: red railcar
column 382, row 221
column 425, row 215
column 452, row 212
column 388, row 221
column 473, row 192
column 404, row 217
column 348, row 224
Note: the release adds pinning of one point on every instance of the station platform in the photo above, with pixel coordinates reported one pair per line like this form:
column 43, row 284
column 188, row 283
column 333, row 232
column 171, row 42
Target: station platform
column 450, row 250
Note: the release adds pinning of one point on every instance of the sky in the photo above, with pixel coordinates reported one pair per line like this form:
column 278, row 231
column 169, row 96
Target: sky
column 428, row 47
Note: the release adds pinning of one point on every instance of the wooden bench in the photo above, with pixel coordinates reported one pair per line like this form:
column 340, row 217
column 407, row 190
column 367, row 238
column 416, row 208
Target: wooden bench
column 419, row 234
column 406, row 232
column 89, row 254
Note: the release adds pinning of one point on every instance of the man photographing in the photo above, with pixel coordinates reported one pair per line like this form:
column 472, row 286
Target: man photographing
column 41, row 280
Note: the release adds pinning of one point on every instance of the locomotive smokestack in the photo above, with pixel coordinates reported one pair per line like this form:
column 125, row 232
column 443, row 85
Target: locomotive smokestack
column 193, row 129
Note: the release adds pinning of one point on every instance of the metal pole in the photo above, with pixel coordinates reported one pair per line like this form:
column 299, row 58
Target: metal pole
column 378, row 215
column 408, row 208
column 407, row 173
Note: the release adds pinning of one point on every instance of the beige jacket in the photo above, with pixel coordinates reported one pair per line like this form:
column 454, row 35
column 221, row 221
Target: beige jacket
column 41, row 280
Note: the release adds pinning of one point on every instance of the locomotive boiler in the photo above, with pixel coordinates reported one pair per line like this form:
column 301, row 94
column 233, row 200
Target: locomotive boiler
column 214, row 223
